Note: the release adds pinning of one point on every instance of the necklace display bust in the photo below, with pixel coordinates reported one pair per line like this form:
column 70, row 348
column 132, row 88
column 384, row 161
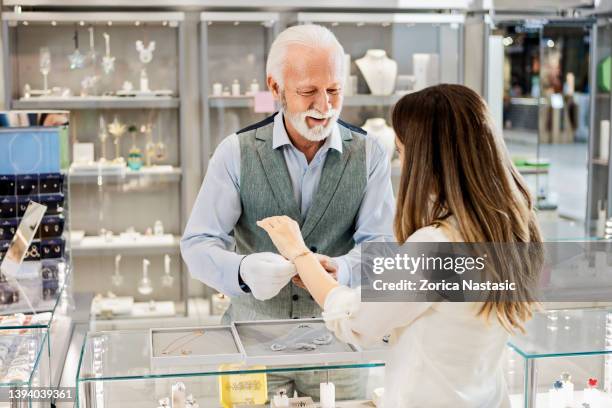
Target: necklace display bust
column 378, row 127
column 379, row 71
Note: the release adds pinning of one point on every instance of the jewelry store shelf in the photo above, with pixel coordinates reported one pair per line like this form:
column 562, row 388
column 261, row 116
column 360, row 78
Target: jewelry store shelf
column 97, row 102
column 96, row 246
column 221, row 102
column 158, row 173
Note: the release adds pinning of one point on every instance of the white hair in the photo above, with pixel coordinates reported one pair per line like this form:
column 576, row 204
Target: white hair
column 309, row 35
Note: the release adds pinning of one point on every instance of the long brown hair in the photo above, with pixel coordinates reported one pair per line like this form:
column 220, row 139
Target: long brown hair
column 455, row 164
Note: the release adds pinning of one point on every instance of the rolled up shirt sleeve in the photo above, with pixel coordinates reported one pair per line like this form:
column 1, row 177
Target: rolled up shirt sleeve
column 365, row 324
column 375, row 218
column 207, row 245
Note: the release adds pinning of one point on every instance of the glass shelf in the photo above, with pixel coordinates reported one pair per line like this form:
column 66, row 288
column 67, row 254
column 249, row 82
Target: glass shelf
column 562, row 333
column 31, row 345
column 49, row 306
column 97, row 102
column 125, row 355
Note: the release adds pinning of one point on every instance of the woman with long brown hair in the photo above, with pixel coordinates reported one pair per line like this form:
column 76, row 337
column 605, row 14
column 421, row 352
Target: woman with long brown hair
column 458, row 184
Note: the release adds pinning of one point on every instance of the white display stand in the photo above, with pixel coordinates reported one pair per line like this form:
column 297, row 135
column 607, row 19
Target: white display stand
column 379, row 71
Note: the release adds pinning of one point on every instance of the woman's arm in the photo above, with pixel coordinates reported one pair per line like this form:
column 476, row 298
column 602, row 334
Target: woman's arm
column 286, row 235
column 316, row 279
column 350, row 319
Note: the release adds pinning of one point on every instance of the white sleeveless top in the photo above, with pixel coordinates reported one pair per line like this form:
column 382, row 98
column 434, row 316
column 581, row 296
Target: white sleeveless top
column 442, row 354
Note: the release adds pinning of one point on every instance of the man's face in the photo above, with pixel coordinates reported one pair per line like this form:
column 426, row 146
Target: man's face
column 312, row 94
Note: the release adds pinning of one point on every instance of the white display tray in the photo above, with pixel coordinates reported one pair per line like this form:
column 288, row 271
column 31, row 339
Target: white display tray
column 256, row 337
column 218, row 345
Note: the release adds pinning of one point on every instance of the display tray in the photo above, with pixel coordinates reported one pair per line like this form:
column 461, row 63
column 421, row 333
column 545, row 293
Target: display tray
column 257, row 338
column 206, row 345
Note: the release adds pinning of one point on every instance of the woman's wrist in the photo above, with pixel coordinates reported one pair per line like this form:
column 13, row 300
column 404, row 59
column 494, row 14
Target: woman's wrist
column 298, row 252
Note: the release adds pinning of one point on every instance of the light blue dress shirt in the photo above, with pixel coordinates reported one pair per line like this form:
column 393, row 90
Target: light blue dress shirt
column 208, row 244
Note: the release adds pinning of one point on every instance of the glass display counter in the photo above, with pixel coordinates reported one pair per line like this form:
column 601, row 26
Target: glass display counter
column 119, row 369
column 24, row 366
column 563, row 360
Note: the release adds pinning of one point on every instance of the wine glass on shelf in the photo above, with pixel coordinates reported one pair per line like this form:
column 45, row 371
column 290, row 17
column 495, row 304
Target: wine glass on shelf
column 45, row 66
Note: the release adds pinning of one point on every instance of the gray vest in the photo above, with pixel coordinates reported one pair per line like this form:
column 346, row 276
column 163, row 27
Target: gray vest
column 266, row 190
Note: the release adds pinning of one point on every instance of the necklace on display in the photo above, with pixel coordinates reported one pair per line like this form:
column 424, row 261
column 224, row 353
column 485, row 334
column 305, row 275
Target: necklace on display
column 379, row 71
column 182, row 341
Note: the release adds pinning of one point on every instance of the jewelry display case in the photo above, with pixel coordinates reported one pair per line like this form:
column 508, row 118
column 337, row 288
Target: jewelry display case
column 563, row 360
column 34, row 165
column 120, row 76
column 112, row 374
column 25, row 366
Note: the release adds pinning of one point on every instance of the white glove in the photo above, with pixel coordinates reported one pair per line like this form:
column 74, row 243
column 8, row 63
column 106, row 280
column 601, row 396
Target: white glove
column 266, row 274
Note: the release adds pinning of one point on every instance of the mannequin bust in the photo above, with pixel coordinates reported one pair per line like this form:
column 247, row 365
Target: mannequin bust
column 378, row 127
column 379, row 71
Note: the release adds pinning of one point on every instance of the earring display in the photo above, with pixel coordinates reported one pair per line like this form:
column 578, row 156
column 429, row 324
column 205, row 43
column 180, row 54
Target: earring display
column 92, row 55
column 77, row 60
column 145, row 54
column 145, row 286
column 167, row 279
column 45, row 67
column 102, row 136
column 117, row 278
column 108, row 61
column 117, row 130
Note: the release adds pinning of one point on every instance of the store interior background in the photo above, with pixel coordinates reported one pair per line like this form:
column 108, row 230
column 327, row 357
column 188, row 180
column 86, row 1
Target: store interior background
column 539, row 64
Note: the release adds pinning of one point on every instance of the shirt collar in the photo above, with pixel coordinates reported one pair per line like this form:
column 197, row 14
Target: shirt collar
column 281, row 138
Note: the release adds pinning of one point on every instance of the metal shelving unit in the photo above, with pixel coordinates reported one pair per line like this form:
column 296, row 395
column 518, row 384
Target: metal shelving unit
column 101, row 102
column 119, row 194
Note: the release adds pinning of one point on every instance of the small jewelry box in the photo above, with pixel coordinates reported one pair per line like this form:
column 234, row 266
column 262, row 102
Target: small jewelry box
column 52, row 248
column 52, row 226
column 27, row 184
column 22, row 204
column 8, row 229
column 7, row 185
column 8, row 207
column 50, row 183
column 53, row 202
column 33, row 253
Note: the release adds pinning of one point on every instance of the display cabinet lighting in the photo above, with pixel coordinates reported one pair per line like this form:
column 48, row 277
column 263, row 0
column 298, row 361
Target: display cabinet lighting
column 54, row 23
column 209, row 23
column 335, row 24
column 25, row 23
column 137, row 23
column 236, row 23
column 81, row 23
column 386, row 24
column 17, row 9
column 550, row 43
column 164, row 23
column 360, row 24
column 110, row 23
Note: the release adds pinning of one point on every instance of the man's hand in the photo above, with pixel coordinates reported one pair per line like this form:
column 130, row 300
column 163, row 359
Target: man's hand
column 266, row 274
column 326, row 262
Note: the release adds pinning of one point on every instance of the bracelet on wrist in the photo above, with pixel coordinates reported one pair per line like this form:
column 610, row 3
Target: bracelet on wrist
column 303, row 253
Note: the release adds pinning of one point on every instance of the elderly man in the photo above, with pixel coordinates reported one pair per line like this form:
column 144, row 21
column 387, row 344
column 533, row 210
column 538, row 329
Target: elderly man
column 303, row 162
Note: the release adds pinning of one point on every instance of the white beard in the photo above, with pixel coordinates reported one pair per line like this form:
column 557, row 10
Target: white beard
column 317, row 133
